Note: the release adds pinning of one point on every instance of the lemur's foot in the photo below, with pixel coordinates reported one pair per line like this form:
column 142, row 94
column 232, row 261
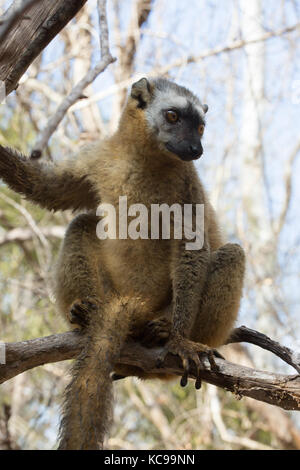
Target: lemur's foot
column 156, row 332
column 190, row 352
column 81, row 311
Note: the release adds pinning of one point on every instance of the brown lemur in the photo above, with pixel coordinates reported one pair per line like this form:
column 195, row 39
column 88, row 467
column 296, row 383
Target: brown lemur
column 154, row 290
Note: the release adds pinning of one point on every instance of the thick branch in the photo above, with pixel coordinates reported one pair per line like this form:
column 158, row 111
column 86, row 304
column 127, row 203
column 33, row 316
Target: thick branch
column 276, row 389
column 28, row 37
column 14, row 15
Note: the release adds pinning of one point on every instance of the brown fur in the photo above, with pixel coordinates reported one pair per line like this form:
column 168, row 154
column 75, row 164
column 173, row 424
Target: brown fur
column 131, row 282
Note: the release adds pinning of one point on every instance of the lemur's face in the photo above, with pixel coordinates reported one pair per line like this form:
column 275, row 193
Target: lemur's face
column 176, row 118
column 178, row 123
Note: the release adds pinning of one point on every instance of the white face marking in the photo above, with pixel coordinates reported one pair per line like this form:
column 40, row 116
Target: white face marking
column 164, row 100
column 181, row 137
column 170, row 100
column 167, row 100
column 166, row 135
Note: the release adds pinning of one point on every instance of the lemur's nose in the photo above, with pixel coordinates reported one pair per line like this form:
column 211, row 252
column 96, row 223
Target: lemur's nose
column 193, row 148
column 196, row 149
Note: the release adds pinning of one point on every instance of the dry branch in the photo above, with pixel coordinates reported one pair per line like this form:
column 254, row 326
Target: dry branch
column 276, row 389
column 24, row 39
column 14, row 15
column 232, row 46
column 77, row 91
column 22, row 234
column 165, row 69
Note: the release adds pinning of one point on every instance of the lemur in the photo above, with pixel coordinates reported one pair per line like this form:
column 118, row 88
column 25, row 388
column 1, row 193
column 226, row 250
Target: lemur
column 155, row 291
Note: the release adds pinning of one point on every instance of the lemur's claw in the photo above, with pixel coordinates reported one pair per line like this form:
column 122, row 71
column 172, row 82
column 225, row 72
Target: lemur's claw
column 190, row 352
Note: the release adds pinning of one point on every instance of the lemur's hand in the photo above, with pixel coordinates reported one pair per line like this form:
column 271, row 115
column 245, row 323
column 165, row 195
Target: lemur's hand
column 156, row 332
column 81, row 311
column 190, row 352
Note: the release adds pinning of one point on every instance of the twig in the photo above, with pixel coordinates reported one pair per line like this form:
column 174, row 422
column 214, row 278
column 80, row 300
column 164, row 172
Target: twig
column 22, row 234
column 230, row 47
column 276, row 389
column 77, row 92
column 103, row 27
column 163, row 70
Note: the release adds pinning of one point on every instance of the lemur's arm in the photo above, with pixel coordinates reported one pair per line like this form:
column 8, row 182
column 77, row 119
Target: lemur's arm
column 189, row 276
column 52, row 186
column 190, row 259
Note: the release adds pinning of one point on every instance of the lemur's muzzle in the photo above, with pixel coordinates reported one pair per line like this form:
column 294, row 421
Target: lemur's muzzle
column 186, row 150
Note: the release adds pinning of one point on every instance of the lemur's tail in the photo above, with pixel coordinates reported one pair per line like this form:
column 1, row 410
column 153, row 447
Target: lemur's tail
column 87, row 410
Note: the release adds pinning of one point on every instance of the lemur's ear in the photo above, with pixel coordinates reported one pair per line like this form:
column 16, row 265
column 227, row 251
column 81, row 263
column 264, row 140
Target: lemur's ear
column 142, row 92
column 205, row 108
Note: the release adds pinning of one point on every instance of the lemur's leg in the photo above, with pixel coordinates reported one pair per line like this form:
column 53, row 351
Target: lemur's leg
column 78, row 281
column 221, row 296
column 219, row 303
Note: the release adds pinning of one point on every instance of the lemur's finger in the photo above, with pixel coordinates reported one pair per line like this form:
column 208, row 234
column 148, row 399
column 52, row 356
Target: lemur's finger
column 160, row 360
column 197, row 362
column 184, row 378
column 212, row 361
column 218, row 354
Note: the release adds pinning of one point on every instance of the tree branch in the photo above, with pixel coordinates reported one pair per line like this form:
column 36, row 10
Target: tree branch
column 232, row 46
column 22, row 234
column 245, row 335
column 24, row 42
column 77, row 91
column 165, row 69
column 276, row 389
column 13, row 15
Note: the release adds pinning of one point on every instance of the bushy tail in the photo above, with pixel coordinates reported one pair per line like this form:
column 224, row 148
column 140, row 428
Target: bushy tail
column 87, row 410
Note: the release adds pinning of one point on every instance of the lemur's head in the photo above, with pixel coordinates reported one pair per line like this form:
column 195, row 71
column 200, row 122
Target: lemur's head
column 174, row 115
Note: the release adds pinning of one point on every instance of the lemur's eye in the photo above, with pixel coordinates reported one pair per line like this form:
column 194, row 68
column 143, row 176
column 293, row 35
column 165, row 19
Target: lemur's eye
column 171, row 116
column 201, row 129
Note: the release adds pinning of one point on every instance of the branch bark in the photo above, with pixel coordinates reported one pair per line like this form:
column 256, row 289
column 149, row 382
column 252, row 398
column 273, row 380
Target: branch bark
column 275, row 389
column 14, row 15
column 25, row 38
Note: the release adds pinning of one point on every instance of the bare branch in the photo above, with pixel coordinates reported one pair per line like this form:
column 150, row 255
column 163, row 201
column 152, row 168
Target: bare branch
column 104, row 35
column 232, row 46
column 276, row 389
column 13, row 15
column 245, row 335
column 25, row 42
column 77, row 92
column 24, row 234
column 74, row 96
column 141, row 10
